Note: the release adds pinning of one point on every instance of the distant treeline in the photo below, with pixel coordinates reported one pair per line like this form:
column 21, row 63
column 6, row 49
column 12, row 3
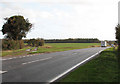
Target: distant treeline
column 71, row 40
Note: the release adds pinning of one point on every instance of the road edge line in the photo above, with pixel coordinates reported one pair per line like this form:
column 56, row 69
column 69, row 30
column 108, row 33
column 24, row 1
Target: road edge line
column 59, row 76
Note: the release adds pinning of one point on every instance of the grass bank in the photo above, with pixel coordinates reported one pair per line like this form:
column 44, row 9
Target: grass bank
column 50, row 47
column 104, row 68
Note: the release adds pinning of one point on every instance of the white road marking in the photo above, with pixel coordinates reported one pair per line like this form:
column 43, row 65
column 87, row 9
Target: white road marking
column 46, row 58
column 14, row 57
column 74, row 53
column 10, row 58
column 54, row 79
column 36, row 60
column 19, row 57
column 24, row 63
column 26, row 56
column 3, row 59
column 1, row 72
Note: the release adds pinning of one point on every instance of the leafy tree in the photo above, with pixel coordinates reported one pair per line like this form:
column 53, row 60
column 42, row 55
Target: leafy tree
column 118, row 35
column 16, row 27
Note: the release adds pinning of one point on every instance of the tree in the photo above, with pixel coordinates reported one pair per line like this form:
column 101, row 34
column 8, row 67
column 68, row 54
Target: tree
column 16, row 27
column 118, row 53
column 118, row 35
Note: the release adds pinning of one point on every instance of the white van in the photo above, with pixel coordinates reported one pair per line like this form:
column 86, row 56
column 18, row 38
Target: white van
column 103, row 43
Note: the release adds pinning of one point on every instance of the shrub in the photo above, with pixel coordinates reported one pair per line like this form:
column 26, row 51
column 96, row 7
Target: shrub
column 12, row 44
column 36, row 42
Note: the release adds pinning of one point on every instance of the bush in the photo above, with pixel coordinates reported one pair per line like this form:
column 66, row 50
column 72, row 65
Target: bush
column 41, row 43
column 12, row 44
column 36, row 42
column 118, row 35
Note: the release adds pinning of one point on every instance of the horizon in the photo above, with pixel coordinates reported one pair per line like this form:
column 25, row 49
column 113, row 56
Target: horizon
column 65, row 19
column 63, row 39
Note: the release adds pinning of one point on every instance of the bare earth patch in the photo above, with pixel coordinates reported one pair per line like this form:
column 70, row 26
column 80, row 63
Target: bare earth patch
column 46, row 47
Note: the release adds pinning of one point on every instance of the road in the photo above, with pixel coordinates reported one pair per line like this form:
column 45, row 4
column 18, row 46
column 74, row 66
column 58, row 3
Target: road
column 44, row 67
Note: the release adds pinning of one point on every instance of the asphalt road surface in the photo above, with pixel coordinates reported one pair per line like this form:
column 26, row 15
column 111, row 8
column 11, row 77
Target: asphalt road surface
column 44, row 67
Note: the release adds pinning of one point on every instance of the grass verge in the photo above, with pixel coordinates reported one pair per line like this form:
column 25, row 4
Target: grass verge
column 104, row 68
column 55, row 47
column 50, row 47
column 14, row 52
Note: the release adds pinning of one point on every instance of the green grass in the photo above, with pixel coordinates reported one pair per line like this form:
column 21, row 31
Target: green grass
column 50, row 47
column 101, row 69
column 54, row 47
column 14, row 52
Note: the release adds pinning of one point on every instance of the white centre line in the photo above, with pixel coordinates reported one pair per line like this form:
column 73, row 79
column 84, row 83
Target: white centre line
column 24, row 56
column 1, row 72
column 3, row 59
column 36, row 60
column 74, row 53
column 19, row 57
column 46, row 58
column 14, row 57
column 10, row 58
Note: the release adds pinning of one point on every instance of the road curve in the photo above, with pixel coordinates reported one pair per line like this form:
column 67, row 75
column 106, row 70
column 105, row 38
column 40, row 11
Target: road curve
column 44, row 67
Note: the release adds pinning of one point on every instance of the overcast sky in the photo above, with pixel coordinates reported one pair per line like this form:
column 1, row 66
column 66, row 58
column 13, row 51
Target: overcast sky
column 59, row 19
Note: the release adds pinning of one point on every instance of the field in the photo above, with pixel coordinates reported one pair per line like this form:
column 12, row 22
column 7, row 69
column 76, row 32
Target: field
column 104, row 68
column 50, row 47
